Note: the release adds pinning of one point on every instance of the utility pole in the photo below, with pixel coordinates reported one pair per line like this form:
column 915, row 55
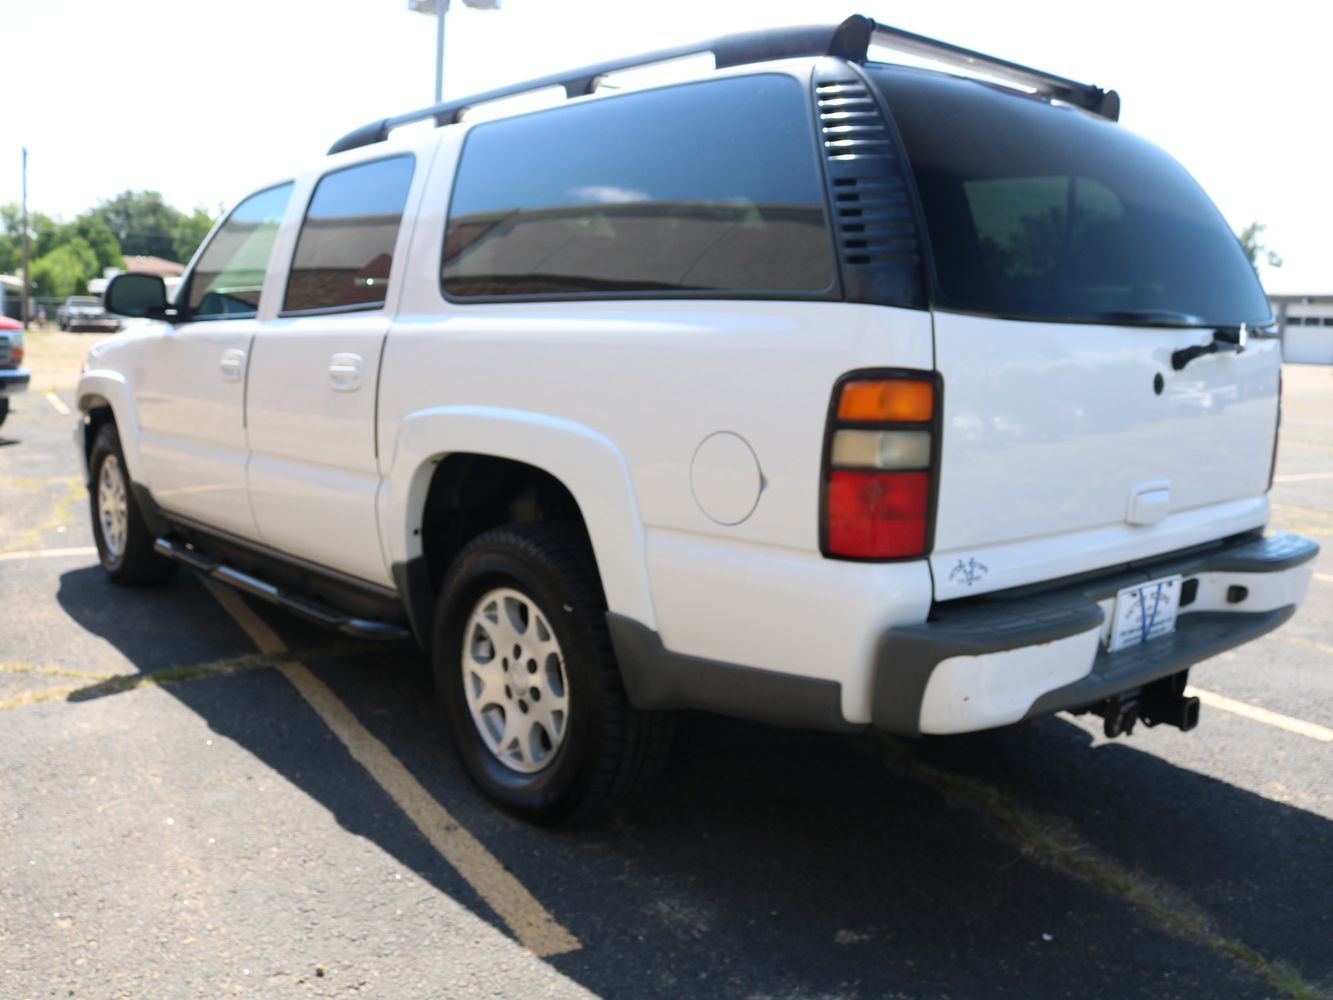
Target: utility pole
column 441, row 8
column 23, row 296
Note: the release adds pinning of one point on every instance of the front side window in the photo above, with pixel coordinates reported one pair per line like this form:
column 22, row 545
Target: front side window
column 702, row 188
column 1039, row 211
column 230, row 273
column 345, row 250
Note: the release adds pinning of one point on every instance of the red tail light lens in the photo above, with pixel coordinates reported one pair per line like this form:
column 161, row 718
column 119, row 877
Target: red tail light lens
column 877, row 515
column 880, row 461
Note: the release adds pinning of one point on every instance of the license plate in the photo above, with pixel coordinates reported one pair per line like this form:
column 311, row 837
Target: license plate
column 1144, row 612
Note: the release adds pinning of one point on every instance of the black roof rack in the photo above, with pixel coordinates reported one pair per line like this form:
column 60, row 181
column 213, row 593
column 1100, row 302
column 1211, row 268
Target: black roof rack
column 849, row 40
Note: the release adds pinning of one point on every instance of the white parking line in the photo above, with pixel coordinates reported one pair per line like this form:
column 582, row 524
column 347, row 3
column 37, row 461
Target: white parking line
column 1323, row 578
column 58, row 404
column 530, row 922
column 81, row 550
column 1256, row 714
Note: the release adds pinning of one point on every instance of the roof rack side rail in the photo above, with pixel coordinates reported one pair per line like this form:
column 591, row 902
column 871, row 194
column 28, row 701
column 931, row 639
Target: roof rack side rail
column 849, row 40
column 1084, row 95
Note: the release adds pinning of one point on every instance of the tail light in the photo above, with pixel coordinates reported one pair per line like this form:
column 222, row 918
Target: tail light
column 15, row 357
column 881, row 456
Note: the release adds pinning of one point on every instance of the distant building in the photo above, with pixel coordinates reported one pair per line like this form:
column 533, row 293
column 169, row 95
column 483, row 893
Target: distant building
column 1305, row 323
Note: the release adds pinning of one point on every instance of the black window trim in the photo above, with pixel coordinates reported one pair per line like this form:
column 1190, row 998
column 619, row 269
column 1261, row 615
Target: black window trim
column 305, row 214
column 833, row 292
column 182, row 302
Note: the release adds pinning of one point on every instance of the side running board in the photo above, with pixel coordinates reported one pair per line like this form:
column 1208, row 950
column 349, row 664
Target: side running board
column 311, row 610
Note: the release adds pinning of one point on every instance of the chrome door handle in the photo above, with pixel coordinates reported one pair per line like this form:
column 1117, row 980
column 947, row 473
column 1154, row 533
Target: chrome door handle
column 345, row 372
column 233, row 365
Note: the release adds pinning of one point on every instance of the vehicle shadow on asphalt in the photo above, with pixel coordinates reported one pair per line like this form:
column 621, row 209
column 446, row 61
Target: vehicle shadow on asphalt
column 776, row 863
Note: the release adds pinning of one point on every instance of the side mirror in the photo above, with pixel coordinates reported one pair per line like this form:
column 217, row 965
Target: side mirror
column 137, row 295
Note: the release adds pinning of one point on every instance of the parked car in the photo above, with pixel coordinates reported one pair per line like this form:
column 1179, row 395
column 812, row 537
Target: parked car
column 811, row 389
column 85, row 312
column 13, row 377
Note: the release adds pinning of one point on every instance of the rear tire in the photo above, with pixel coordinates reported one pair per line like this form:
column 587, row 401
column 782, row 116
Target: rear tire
column 525, row 673
column 124, row 543
column 4, row 408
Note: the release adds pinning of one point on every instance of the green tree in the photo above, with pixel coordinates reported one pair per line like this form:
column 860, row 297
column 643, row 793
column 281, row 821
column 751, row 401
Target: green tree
column 93, row 231
column 190, row 232
column 65, row 270
column 141, row 222
column 1249, row 242
column 44, row 234
column 11, row 240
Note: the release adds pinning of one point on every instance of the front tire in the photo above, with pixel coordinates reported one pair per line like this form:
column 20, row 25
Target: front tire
column 4, row 408
column 124, row 543
column 525, row 673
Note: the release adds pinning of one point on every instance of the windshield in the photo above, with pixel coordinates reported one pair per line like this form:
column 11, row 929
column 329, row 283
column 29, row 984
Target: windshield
column 1046, row 212
column 84, row 302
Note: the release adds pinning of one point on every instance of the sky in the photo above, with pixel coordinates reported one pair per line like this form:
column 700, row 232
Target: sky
column 206, row 102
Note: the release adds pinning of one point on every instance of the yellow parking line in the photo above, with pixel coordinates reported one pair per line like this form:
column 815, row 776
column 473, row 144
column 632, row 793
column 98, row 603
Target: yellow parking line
column 1303, row 477
column 79, row 550
column 1323, row 578
column 1257, row 714
column 1298, row 640
column 58, row 404
column 530, row 922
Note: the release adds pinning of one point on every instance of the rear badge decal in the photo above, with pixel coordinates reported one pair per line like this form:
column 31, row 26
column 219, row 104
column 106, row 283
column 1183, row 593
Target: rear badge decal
column 968, row 573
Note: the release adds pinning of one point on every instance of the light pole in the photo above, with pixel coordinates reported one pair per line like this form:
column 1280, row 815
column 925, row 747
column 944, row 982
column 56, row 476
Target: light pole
column 27, row 289
column 439, row 8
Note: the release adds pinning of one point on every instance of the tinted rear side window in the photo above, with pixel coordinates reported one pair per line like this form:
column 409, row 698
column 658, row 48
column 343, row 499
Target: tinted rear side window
column 345, row 250
column 1044, row 212
column 703, row 188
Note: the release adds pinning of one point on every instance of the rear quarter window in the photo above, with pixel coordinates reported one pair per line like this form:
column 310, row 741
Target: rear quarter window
column 1047, row 212
column 345, row 251
column 708, row 188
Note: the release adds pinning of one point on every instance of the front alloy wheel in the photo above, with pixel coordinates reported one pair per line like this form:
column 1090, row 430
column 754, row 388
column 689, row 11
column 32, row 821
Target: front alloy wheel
column 113, row 508
column 124, row 543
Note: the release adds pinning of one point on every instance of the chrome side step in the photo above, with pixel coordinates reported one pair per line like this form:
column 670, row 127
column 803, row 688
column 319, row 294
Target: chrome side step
column 311, row 610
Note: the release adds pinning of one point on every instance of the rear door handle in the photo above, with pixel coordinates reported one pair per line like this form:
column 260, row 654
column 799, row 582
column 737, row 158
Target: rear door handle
column 233, row 365
column 345, row 372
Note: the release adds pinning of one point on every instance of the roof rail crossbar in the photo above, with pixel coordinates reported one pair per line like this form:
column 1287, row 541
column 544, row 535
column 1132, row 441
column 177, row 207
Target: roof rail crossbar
column 1084, row 95
column 849, row 40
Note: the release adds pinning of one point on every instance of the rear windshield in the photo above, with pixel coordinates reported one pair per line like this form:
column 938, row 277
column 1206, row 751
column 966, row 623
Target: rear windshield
column 1046, row 212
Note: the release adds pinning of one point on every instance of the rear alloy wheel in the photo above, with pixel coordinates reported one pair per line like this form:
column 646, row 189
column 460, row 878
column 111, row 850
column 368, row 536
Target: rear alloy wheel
column 514, row 680
column 124, row 543
column 526, row 675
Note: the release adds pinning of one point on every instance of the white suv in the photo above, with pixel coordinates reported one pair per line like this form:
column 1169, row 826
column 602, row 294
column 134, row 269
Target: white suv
column 811, row 389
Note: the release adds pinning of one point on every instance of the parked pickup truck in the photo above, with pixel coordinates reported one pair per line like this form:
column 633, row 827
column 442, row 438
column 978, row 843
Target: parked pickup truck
column 13, row 376
column 808, row 389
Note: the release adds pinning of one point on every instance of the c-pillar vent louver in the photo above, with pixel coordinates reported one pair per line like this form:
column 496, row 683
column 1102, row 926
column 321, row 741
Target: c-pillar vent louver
column 873, row 215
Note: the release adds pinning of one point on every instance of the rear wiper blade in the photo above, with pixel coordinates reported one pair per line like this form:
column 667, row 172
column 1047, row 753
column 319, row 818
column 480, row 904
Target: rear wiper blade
column 1150, row 317
column 1226, row 338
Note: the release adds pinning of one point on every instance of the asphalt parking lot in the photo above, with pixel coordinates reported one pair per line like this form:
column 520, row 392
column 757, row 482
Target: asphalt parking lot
column 202, row 797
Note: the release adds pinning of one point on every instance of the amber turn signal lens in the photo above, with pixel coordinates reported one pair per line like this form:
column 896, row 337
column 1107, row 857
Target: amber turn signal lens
column 886, row 400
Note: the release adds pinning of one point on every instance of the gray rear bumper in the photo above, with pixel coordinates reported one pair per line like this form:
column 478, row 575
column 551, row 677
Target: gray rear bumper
column 1006, row 657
